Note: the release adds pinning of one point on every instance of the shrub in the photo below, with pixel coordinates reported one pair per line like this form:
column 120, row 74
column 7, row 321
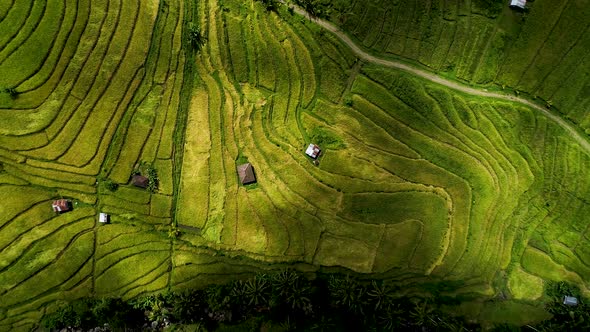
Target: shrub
column 11, row 92
column 110, row 185
column 326, row 139
column 195, row 37
column 149, row 171
column 271, row 5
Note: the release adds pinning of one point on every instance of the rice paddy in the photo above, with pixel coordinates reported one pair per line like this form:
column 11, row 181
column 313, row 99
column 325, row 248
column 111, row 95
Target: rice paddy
column 540, row 52
column 415, row 183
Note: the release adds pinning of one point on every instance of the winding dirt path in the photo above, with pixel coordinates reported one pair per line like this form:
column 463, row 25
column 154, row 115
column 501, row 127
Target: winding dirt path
column 451, row 84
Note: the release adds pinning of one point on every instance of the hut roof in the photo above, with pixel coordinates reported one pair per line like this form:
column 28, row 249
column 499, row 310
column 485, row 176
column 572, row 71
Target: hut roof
column 104, row 218
column 246, row 173
column 570, row 300
column 518, row 4
column 313, row 151
column 140, row 181
column 61, row 205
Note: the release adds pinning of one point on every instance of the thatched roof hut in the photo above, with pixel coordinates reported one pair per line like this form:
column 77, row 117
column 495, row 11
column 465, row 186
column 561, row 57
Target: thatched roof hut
column 140, row 181
column 246, row 173
column 61, row 205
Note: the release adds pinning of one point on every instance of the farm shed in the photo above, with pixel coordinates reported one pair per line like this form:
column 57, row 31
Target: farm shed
column 103, row 218
column 246, row 173
column 61, row 205
column 140, row 181
column 570, row 300
column 313, row 151
column 521, row 4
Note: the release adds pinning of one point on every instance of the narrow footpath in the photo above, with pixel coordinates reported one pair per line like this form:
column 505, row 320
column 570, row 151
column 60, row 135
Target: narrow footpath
column 569, row 128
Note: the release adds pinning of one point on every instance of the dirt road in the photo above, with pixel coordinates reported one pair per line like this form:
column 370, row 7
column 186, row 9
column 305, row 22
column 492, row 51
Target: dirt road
column 569, row 128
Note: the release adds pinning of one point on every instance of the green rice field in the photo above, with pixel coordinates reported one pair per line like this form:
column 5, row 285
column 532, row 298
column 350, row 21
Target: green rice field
column 541, row 52
column 417, row 183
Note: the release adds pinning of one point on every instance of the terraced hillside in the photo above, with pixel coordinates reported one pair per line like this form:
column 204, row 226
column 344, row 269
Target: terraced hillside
column 417, row 183
column 542, row 52
column 416, row 179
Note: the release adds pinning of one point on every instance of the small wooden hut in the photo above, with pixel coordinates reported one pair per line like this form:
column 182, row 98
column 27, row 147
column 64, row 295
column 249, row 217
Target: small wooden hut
column 61, row 205
column 140, row 181
column 246, row 173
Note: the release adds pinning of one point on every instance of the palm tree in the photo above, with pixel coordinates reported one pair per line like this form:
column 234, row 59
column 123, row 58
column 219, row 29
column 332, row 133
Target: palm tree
column 348, row 293
column 380, row 295
column 343, row 10
column 257, row 290
column 390, row 319
column 187, row 306
column 299, row 298
column 238, row 293
column 282, row 282
column 217, row 298
column 323, row 324
column 195, row 37
column 422, row 314
column 146, row 302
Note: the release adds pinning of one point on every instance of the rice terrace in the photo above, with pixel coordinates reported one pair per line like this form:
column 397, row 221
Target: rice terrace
column 265, row 165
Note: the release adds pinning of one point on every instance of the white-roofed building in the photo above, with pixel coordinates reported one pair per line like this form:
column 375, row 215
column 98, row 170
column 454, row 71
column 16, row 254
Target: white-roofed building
column 103, row 218
column 570, row 300
column 313, row 151
column 518, row 4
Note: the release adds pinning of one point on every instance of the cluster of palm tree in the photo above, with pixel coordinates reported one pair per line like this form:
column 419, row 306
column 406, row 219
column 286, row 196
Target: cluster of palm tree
column 87, row 313
column 287, row 298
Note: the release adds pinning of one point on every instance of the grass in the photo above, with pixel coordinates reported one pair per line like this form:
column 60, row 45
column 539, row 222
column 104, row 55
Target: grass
column 470, row 41
column 524, row 286
column 376, row 208
column 515, row 313
column 416, row 182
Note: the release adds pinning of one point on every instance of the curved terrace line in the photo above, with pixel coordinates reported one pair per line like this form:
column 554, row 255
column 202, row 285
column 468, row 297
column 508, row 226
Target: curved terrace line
column 439, row 80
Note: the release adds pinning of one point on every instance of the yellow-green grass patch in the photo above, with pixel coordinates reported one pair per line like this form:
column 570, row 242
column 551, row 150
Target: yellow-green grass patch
column 17, row 199
column 47, row 254
column 64, row 267
column 161, row 206
column 346, row 252
column 512, row 312
column 525, row 286
column 193, row 200
column 391, row 208
column 114, row 273
column 132, row 194
column 398, row 245
column 34, row 225
column 540, row 264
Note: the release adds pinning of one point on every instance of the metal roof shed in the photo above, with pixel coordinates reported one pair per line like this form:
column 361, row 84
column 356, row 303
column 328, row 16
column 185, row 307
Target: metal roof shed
column 103, row 218
column 518, row 4
column 570, row 300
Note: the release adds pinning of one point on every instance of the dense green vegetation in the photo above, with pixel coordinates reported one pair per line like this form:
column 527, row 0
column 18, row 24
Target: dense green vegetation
column 474, row 203
column 288, row 301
